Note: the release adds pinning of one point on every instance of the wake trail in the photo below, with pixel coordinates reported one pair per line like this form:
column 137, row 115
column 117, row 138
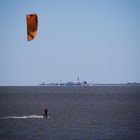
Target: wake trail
column 24, row 117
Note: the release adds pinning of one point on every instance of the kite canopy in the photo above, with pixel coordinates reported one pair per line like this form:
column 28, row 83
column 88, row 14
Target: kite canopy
column 32, row 24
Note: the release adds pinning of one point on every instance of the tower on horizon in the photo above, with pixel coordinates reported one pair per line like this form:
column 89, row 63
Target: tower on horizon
column 78, row 81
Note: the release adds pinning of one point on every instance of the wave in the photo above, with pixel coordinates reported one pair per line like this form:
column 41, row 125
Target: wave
column 24, row 117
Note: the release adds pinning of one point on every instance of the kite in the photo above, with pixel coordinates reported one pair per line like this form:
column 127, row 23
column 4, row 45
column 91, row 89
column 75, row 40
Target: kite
column 32, row 25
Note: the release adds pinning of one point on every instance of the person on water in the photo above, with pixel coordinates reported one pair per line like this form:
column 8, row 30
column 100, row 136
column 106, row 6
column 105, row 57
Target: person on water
column 46, row 113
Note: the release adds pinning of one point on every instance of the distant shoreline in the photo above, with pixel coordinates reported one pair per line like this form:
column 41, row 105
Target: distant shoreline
column 49, row 85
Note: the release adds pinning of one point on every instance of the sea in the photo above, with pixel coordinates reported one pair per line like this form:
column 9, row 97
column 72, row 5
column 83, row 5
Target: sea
column 74, row 113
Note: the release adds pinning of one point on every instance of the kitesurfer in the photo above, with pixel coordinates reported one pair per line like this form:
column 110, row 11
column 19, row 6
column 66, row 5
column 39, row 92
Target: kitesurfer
column 46, row 113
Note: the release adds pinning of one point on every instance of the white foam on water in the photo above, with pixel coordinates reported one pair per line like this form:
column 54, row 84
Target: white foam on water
column 24, row 117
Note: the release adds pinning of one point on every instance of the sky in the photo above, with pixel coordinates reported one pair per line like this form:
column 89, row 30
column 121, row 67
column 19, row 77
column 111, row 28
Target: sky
column 95, row 40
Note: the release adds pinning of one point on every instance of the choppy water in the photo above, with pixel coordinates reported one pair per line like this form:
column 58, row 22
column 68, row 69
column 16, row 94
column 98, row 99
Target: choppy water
column 76, row 113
